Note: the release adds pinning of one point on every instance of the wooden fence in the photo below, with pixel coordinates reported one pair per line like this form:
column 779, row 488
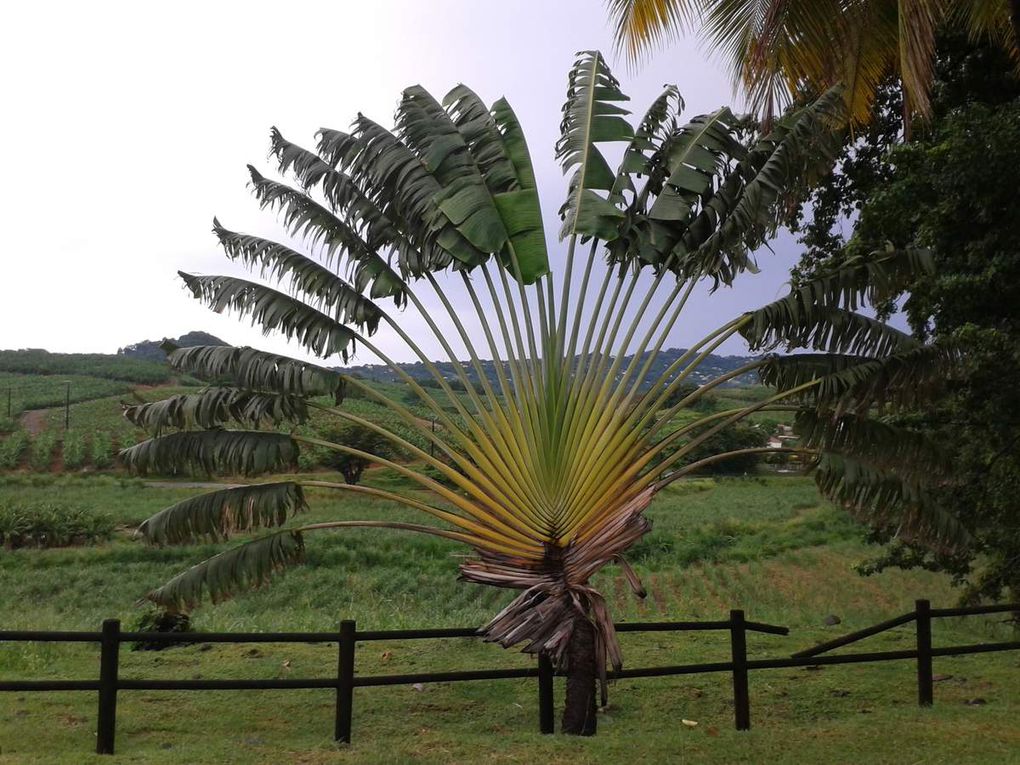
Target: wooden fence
column 346, row 680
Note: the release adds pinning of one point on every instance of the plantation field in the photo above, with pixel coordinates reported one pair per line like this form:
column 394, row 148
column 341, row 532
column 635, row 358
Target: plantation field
column 98, row 428
column 43, row 391
column 767, row 545
column 106, row 366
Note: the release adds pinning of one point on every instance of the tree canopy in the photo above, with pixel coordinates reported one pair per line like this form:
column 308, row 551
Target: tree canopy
column 779, row 49
column 952, row 190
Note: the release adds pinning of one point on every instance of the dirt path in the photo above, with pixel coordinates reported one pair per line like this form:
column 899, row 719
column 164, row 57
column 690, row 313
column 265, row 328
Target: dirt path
column 34, row 421
column 188, row 485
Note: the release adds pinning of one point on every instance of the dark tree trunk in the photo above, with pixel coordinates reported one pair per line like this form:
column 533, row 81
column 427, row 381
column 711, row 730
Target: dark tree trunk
column 579, row 710
column 1014, row 16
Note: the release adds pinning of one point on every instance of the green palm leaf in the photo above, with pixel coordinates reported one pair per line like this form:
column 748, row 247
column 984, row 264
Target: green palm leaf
column 219, row 514
column 318, row 226
column 900, row 381
column 233, row 452
column 257, row 370
column 217, row 406
column 222, row 576
column 590, row 117
column 275, row 311
column 321, row 286
column 792, row 324
column 889, row 499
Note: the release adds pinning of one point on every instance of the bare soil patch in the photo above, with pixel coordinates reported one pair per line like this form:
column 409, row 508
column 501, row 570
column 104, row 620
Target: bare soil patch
column 34, row 421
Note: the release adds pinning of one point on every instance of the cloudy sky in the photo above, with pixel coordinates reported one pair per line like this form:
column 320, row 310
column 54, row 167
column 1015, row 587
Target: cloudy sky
column 128, row 126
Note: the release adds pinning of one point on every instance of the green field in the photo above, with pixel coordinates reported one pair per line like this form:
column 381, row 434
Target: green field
column 97, row 427
column 44, row 391
column 769, row 546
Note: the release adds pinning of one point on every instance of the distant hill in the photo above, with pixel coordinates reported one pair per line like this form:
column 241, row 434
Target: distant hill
column 713, row 366
column 150, row 350
column 145, row 362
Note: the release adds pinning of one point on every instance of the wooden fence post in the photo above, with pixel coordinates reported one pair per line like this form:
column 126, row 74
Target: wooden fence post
column 109, row 657
column 345, row 681
column 738, row 650
column 546, row 715
column 925, row 681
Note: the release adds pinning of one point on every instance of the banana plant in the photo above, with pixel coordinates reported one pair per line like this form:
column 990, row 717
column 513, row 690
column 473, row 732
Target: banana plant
column 545, row 467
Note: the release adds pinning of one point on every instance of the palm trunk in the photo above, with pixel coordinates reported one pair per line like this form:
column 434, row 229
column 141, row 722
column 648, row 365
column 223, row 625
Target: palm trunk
column 579, row 710
column 1014, row 16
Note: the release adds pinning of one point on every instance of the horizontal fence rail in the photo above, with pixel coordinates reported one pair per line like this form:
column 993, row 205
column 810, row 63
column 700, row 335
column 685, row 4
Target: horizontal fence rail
column 348, row 636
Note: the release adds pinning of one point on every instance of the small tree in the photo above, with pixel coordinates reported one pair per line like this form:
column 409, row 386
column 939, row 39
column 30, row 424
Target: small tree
column 556, row 461
column 363, row 440
column 744, row 442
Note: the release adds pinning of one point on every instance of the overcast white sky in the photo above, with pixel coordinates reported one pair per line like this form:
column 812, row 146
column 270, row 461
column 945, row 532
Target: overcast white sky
column 127, row 126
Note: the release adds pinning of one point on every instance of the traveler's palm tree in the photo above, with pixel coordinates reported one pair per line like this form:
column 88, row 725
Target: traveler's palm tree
column 780, row 48
column 546, row 468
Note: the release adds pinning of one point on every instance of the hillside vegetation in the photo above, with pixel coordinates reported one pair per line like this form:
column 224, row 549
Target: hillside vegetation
column 110, row 367
column 101, row 385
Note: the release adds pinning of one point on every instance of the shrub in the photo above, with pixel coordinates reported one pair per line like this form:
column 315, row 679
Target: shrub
column 51, row 524
column 102, row 450
column 12, row 448
column 160, row 621
column 74, row 451
column 41, row 453
column 732, row 438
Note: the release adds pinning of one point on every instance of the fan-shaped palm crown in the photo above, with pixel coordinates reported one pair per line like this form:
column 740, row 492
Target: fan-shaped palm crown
column 546, row 468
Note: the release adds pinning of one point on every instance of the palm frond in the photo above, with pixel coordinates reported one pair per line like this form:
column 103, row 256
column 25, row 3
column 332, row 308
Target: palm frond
column 515, row 144
column 275, row 311
column 886, row 498
column 343, row 194
column 590, row 117
column 900, row 381
column 396, row 180
column 749, row 204
column 833, row 330
column 652, row 132
column 698, row 151
column 919, row 21
column 640, row 25
column 219, row 514
column 230, row 452
column 871, row 440
column 323, row 289
column 257, row 370
column 222, row 576
column 479, row 193
column 316, row 225
column 215, row 407
column 820, row 314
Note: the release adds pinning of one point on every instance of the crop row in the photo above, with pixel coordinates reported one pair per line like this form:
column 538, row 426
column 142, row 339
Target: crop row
column 22, row 392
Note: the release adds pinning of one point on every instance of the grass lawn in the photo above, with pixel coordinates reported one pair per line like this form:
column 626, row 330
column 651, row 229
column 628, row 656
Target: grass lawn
column 769, row 546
